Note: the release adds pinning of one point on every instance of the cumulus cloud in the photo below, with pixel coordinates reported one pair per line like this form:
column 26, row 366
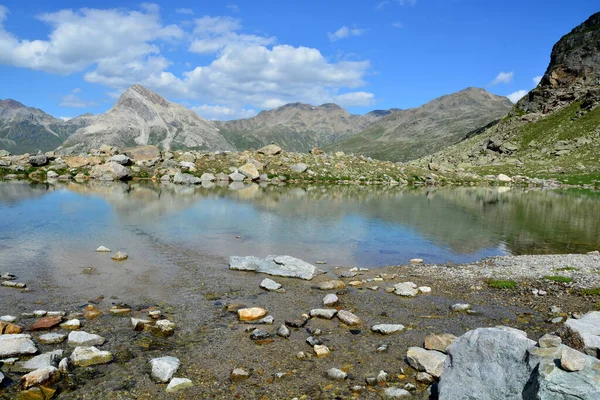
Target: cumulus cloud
column 516, row 96
column 503, row 78
column 345, row 32
column 73, row 101
column 537, row 80
column 222, row 112
column 354, row 99
column 119, row 47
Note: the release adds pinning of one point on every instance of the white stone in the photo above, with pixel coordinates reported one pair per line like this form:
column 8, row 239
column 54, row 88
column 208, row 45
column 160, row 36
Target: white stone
column 16, row 345
column 52, row 338
column 424, row 289
column 336, row 374
column 82, row 338
column 330, row 299
column 8, row 318
column 270, row 284
column 177, row 384
column 327, row 313
column 71, row 324
column 460, row 307
column 406, row 289
column 396, row 393
column 103, row 249
column 86, row 356
column 163, row 368
column 387, row 329
column 430, row 361
column 44, row 360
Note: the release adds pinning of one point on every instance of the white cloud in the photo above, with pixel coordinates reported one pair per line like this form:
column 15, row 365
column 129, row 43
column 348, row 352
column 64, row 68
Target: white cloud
column 397, row 25
column 186, row 11
column 503, row 78
column 76, row 90
column 345, row 32
column 119, row 47
column 384, row 3
column 70, row 100
column 537, row 79
column 354, row 99
column 233, row 7
column 222, row 112
column 65, row 118
column 516, row 96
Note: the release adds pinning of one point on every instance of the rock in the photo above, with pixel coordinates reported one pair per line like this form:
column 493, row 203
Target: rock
column 548, row 340
column 103, row 249
column 82, row 338
column 439, row 342
column 276, row 265
column 313, row 341
column 459, row 307
column 237, row 177
column 283, row 331
column 142, row 153
column 424, row 377
column 42, row 376
column 1, row 377
column 86, row 356
column 503, row 178
column 155, row 314
column 120, row 256
column 121, row 159
column 382, row 376
column 63, row 366
column 588, row 329
column 38, row 161
column 572, row 360
column 186, row 179
column 16, row 345
column 416, row 261
column 91, row 312
column 187, row 166
column 178, row 384
column 14, row 284
column 250, row 171
column 44, row 360
column 8, row 318
column 429, row 361
column 270, row 285
column 269, row 150
column 268, row 320
column 7, row 328
column 139, row 324
column 348, row 318
column 52, row 338
column 395, row 393
column 109, row 171
column 424, row 289
column 39, row 313
column 331, row 285
column 330, row 299
column 51, row 175
column 298, row 168
column 486, row 363
column 387, row 329
column 238, row 375
column 162, row 327
column 327, row 313
column 336, row 374
column 163, row 368
column 321, row 350
column 46, row 323
column 119, row 310
column 406, row 289
column 206, row 177
column 251, row 314
column 296, row 323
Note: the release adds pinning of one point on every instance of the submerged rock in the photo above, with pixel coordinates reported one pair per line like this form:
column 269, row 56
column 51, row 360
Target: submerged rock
column 275, row 265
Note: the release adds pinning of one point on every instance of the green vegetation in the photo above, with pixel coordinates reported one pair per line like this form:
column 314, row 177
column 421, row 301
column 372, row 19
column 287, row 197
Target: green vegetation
column 502, row 284
column 566, row 269
column 558, row 278
column 591, row 291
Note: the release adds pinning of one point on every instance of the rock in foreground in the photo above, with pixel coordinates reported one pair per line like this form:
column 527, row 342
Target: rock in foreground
column 16, row 345
column 275, row 265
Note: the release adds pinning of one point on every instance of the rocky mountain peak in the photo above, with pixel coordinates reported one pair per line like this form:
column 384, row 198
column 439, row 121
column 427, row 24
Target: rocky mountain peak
column 11, row 104
column 138, row 92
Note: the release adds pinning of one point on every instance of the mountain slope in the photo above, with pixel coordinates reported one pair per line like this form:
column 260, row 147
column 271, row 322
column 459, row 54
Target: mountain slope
column 29, row 130
column 409, row 134
column 295, row 127
column 143, row 117
column 555, row 129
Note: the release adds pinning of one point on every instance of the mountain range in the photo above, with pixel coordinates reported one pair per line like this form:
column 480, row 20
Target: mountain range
column 142, row 117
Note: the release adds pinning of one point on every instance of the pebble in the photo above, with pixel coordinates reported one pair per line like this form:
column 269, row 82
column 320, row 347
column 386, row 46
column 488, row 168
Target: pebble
column 16, row 285
column 424, row 289
column 556, row 320
column 313, row 341
column 355, row 283
column 424, row 377
column 429, row 361
column 542, row 292
column 270, row 285
column 460, row 307
column 572, row 360
column 120, row 256
column 39, row 313
column 177, row 384
column 163, row 368
column 283, row 331
column 332, row 285
column 46, row 375
column 382, row 376
column 300, row 355
column 63, row 365
column 7, row 328
column 387, row 329
column 268, row 320
column 549, row 340
column 163, row 327
column 155, row 314
column 82, row 338
column 238, row 375
column 373, row 288
column 336, row 374
column 91, row 312
column 321, row 350
column 103, row 249
column 71, row 325
column 348, row 318
column 116, row 310
column 259, row 334
column 327, row 313
column 382, row 348
column 1, row 377
column 46, row 323
column 52, row 338
column 395, row 393
column 251, row 314
column 8, row 318
column 86, row 356
column 330, row 299
column 406, row 289
column 139, row 324
column 555, row 310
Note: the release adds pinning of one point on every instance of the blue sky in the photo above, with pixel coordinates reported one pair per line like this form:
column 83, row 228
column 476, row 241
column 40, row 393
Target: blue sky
column 232, row 59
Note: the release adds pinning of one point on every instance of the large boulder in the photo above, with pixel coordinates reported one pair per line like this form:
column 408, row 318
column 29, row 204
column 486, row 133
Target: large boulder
column 276, row 265
column 142, row 153
column 250, row 171
column 186, row 179
column 109, row 171
column 270, row 150
column 486, row 363
column 587, row 328
column 39, row 160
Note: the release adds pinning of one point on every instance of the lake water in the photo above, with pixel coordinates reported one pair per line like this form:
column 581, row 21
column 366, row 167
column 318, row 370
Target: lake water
column 48, row 225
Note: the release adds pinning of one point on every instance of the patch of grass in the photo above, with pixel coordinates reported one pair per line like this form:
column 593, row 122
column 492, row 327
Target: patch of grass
column 591, row 291
column 558, row 278
column 502, row 284
column 566, row 269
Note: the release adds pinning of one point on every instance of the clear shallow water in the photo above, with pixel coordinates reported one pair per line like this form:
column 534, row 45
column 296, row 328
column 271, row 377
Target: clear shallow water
column 58, row 227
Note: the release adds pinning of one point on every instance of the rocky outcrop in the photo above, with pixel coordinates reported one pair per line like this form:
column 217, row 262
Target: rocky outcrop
column 142, row 117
